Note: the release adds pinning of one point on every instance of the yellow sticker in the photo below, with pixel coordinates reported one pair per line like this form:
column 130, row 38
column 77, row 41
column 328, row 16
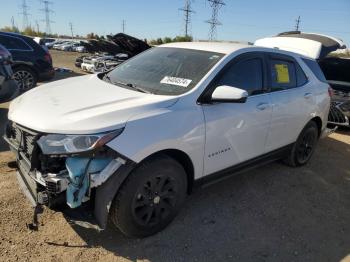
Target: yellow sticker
column 282, row 73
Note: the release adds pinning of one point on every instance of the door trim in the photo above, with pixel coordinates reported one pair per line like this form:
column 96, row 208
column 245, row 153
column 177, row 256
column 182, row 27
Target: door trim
column 244, row 166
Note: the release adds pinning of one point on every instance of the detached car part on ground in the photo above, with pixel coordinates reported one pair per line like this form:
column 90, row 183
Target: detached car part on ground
column 8, row 86
column 31, row 63
column 335, row 69
column 143, row 135
column 109, row 53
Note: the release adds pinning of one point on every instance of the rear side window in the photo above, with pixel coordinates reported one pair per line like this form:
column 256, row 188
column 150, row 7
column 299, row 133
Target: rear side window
column 283, row 75
column 315, row 68
column 246, row 74
column 14, row 43
column 301, row 77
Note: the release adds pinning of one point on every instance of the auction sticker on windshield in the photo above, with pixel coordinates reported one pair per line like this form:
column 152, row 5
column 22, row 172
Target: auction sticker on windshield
column 170, row 80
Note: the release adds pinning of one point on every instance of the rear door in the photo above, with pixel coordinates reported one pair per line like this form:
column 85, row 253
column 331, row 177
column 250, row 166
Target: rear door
column 292, row 100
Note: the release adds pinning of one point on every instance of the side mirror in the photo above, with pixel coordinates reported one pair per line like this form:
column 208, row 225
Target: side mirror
column 229, row 94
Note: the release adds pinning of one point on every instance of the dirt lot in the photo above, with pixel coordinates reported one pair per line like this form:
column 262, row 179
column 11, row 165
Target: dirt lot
column 275, row 213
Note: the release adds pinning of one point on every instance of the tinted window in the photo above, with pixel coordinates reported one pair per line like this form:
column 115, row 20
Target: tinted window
column 301, row 77
column 283, row 75
column 13, row 43
column 315, row 68
column 247, row 75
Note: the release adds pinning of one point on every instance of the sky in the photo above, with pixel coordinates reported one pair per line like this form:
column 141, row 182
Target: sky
column 242, row 20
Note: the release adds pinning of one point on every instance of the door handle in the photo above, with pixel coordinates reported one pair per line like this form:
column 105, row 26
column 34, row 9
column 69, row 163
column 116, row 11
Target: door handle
column 307, row 95
column 262, row 106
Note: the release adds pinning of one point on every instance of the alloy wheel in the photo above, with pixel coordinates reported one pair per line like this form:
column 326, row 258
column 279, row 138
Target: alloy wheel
column 154, row 201
column 25, row 80
column 306, row 147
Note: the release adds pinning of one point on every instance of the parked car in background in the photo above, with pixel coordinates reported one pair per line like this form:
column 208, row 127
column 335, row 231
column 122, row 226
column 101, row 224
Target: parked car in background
column 8, row 87
column 69, row 46
column 333, row 70
column 337, row 72
column 31, row 62
column 108, row 54
column 51, row 44
column 133, row 142
column 80, row 49
column 102, row 62
column 57, row 45
column 43, row 41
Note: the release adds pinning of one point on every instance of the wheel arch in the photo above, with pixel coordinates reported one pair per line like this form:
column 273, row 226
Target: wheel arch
column 183, row 159
column 318, row 122
column 28, row 65
column 108, row 190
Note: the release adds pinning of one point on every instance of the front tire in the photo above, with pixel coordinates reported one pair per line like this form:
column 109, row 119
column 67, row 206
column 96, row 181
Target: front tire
column 304, row 147
column 150, row 198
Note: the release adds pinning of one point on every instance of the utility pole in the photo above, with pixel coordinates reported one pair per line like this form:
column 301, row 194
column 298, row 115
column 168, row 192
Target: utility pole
column 24, row 12
column 187, row 12
column 214, row 22
column 13, row 23
column 123, row 25
column 71, row 29
column 297, row 23
column 47, row 11
column 37, row 26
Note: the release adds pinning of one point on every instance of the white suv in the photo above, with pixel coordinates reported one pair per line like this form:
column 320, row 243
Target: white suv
column 130, row 144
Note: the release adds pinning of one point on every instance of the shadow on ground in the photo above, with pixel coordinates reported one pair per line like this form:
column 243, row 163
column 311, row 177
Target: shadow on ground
column 3, row 121
column 275, row 213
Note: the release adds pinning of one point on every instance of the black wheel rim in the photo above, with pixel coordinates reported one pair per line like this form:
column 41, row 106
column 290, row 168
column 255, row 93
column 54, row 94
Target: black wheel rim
column 154, row 201
column 24, row 79
column 306, row 146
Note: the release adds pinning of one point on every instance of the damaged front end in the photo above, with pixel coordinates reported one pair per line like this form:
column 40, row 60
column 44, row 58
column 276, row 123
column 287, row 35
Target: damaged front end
column 65, row 172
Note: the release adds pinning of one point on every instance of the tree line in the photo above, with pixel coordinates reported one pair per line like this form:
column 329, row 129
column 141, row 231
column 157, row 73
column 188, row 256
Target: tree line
column 30, row 31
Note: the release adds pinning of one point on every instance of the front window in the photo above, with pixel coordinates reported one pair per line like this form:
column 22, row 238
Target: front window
column 164, row 70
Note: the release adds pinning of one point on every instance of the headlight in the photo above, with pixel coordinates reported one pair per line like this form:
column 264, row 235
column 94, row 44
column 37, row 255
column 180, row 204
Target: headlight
column 56, row 144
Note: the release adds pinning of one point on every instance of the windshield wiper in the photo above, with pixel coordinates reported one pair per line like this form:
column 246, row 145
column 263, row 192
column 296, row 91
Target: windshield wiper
column 108, row 78
column 140, row 89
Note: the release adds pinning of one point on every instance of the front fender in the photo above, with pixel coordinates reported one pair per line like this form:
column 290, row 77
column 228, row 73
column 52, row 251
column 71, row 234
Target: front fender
column 177, row 127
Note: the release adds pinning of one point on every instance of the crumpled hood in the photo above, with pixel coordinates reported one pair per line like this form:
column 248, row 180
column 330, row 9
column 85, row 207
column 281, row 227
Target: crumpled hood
column 82, row 105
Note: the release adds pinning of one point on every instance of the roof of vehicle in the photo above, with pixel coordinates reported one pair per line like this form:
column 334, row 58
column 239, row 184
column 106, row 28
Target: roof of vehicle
column 14, row 34
column 218, row 47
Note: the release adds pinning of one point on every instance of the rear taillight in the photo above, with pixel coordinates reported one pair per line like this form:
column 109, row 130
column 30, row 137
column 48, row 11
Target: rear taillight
column 330, row 91
column 48, row 58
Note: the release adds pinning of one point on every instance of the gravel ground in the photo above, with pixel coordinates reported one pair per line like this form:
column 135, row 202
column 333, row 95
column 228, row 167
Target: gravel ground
column 274, row 213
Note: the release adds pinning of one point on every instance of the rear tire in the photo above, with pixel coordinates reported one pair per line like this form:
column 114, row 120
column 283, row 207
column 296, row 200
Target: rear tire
column 304, row 147
column 150, row 198
column 25, row 78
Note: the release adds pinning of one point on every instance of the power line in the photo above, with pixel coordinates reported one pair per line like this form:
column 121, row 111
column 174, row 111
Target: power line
column 214, row 22
column 47, row 12
column 187, row 12
column 24, row 12
column 297, row 23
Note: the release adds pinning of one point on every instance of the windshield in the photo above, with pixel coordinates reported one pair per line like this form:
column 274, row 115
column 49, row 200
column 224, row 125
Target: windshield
column 164, row 70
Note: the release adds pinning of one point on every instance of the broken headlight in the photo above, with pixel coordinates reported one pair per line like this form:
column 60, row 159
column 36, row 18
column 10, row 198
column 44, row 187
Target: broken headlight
column 57, row 144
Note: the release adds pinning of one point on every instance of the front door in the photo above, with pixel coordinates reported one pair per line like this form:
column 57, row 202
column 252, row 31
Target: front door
column 236, row 132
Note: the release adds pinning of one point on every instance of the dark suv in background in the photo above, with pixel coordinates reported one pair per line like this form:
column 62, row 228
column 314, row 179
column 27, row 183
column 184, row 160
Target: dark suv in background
column 31, row 63
column 8, row 87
